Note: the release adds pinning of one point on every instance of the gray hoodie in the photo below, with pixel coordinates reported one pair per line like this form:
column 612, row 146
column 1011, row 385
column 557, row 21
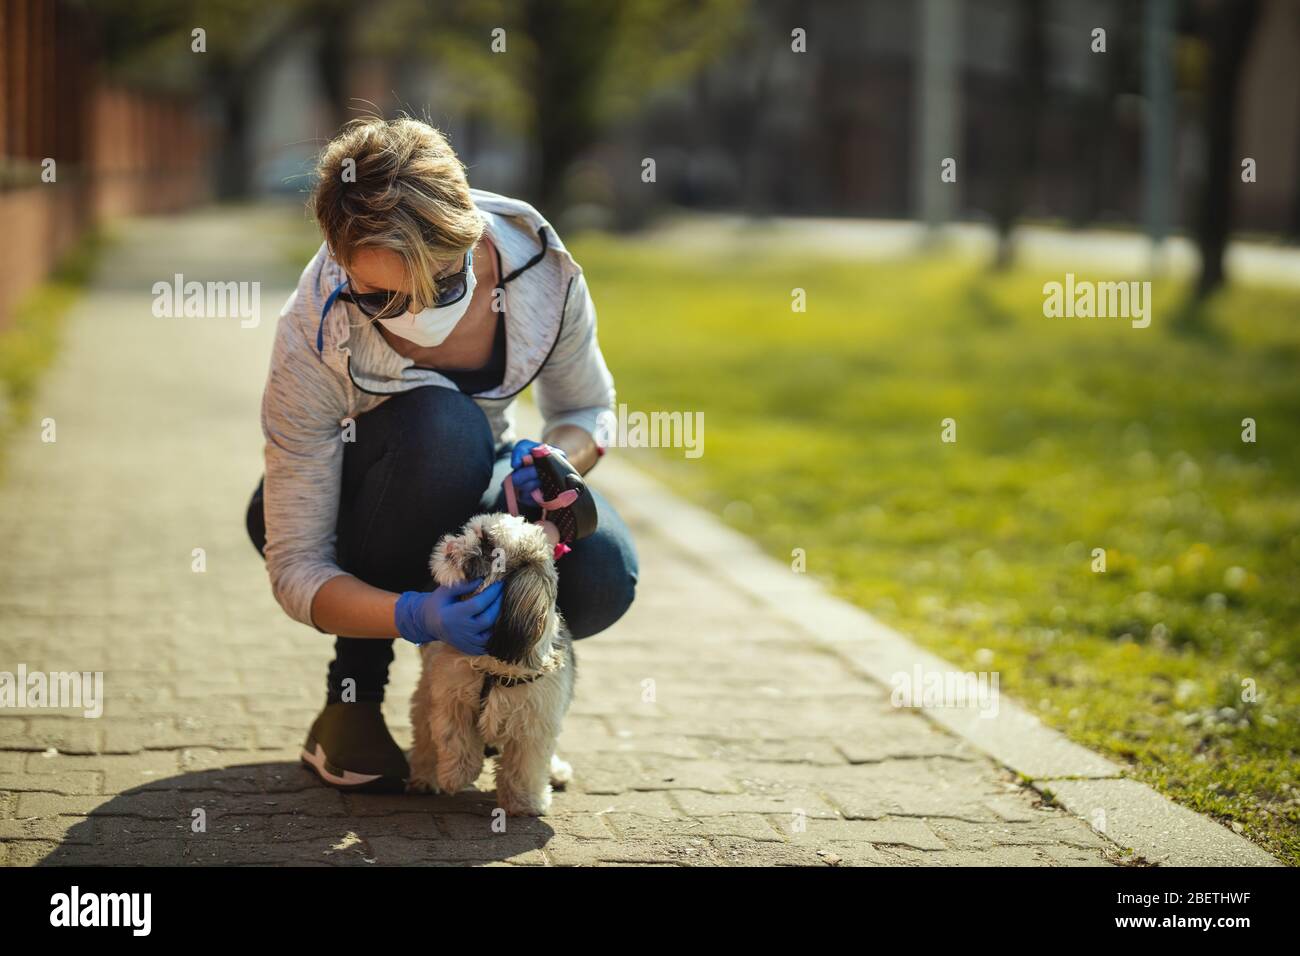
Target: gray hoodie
column 331, row 368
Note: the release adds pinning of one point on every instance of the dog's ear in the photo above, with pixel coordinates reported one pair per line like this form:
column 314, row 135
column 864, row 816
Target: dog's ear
column 441, row 552
column 526, row 604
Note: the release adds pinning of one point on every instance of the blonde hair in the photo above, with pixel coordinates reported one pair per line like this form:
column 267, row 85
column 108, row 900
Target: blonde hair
column 405, row 191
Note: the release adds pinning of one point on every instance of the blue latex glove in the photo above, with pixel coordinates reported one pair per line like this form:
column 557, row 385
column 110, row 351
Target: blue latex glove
column 525, row 474
column 440, row 615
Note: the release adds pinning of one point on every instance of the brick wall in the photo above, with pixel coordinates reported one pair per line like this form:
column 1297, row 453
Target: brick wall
column 117, row 151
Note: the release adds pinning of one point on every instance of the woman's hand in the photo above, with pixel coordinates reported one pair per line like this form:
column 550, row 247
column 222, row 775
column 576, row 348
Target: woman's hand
column 524, row 475
column 440, row 615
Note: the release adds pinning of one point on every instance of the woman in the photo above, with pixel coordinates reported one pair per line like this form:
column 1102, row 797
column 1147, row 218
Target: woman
column 388, row 416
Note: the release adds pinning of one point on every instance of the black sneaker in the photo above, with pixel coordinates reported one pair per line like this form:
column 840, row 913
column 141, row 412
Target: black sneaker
column 349, row 747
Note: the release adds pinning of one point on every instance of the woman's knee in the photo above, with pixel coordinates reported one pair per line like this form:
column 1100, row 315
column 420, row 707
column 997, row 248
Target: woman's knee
column 598, row 578
column 438, row 436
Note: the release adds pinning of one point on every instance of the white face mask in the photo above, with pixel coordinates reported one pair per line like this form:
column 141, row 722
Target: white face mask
column 432, row 326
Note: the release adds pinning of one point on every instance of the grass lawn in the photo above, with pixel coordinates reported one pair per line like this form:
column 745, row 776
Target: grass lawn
column 823, row 433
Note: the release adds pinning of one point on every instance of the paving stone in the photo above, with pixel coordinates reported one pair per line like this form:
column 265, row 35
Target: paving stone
column 697, row 804
column 718, row 727
column 806, row 716
column 179, row 806
column 132, row 736
column 505, row 849
column 480, row 826
column 123, row 853
column 666, row 745
column 929, row 788
column 56, row 829
column 71, row 735
column 272, row 776
column 275, row 737
column 198, row 759
column 845, row 853
column 993, row 856
column 803, row 750
column 11, row 761
column 646, row 803
column 1065, row 855
column 68, row 782
column 737, row 851
column 28, row 852
column 120, row 772
column 225, row 853
column 666, row 773
column 14, row 735
column 222, row 827
column 914, row 833
column 906, row 738
column 683, row 851
column 55, row 804
column 587, row 826
column 750, row 826
column 1057, row 829
column 413, row 826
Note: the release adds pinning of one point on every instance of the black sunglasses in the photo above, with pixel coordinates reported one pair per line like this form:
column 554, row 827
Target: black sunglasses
column 447, row 290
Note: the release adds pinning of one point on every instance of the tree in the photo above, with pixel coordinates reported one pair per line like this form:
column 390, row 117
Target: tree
column 1025, row 93
column 151, row 42
column 570, row 69
column 1226, row 27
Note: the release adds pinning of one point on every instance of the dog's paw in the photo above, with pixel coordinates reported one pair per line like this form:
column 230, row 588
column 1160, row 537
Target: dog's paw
column 526, row 804
column 458, row 776
column 561, row 772
column 421, row 785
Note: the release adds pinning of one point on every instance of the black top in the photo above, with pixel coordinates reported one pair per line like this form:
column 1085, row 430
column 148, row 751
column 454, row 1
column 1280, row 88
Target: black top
column 490, row 376
column 475, row 380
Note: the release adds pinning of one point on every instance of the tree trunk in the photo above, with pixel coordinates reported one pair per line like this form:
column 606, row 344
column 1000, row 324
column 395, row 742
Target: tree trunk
column 566, row 76
column 336, row 23
column 1025, row 93
column 233, row 175
column 1227, row 26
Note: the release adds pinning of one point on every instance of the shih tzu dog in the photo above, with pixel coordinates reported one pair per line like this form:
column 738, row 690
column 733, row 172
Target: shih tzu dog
column 512, row 698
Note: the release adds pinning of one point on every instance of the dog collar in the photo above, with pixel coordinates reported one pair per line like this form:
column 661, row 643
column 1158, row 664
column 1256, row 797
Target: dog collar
column 553, row 663
column 499, row 680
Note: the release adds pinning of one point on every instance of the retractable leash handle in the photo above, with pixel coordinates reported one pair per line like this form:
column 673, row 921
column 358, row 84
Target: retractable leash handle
column 568, row 509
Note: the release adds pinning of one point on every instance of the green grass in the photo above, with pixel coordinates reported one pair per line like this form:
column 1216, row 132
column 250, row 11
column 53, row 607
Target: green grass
column 30, row 341
column 1073, row 434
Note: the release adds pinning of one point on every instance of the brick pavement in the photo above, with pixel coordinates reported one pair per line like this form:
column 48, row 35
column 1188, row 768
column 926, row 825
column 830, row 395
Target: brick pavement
column 704, row 731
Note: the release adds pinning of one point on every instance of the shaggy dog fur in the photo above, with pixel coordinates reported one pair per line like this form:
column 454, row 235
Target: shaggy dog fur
column 529, row 667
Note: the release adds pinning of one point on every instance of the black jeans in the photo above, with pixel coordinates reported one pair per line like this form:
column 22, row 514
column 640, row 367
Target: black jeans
column 421, row 465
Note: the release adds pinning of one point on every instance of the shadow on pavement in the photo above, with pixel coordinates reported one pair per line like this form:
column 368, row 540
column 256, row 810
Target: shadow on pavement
column 278, row 813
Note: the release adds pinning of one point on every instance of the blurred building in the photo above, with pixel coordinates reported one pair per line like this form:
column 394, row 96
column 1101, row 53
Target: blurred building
column 114, row 150
column 831, row 131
